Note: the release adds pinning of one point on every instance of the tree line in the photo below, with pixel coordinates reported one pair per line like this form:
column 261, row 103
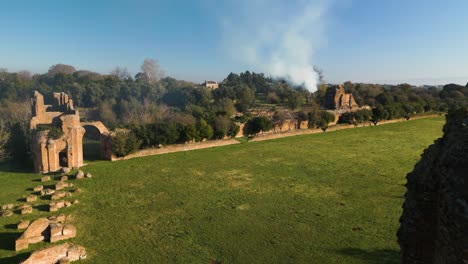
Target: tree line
column 158, row 110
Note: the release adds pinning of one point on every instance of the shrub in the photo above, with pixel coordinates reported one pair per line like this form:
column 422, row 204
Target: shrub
column 124, row 142
column 233, row 130
column 205, row 131
column 55, row 133
column 188, row 133
column 257, row 124
column 325, row 119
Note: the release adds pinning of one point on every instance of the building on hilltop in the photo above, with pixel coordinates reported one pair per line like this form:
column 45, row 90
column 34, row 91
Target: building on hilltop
column 57, row 134
column 337, row 99
column 210, row 84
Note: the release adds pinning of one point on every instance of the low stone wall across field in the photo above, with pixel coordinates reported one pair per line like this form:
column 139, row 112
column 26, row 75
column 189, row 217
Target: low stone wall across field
column 297, row 132
column 178, row 148
column 261, row 137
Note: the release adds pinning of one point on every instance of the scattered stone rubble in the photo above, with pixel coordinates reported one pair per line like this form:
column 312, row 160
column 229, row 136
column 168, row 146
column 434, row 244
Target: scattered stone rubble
column 61, row 232
column 79, row 175
column 45, row 179
column 63, row 253
column 31, row 198
column 51, row 229
column 54, row 206
column 8, row 206
column 60, row 194
column 27, row 209
column 6, row 210
column 23, row 224
column 61, row 218
column 47, row 192
column 35, row 233
column 6, row 213
column 43, row 230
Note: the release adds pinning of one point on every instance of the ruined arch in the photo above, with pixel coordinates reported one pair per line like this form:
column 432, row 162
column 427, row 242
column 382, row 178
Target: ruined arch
column 102, row 136
column 57, row 134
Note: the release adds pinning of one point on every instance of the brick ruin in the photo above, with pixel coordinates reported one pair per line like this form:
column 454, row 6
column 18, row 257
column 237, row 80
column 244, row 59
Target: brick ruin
column 337, row 99
column 50, row 154
column 434, row 224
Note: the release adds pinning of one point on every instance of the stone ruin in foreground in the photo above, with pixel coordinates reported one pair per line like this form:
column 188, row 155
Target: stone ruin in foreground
column 50, row 155
column 434, row 224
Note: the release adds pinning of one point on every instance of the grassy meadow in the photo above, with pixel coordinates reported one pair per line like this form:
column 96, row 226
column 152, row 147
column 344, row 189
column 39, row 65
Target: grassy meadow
column 332, row 197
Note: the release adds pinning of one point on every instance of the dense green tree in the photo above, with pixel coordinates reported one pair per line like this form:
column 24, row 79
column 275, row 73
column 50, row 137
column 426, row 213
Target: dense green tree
column 221, row 126
column 257, row 124
column 226, row 107
column 378, row 114
column 4, row 139
column 246, row 98
column 362, row 115
column 233, row 130
column 295, row 100
column 326, row 118
column 124, row 142
column 188, row 133
column 19, row 146
column 205, row 130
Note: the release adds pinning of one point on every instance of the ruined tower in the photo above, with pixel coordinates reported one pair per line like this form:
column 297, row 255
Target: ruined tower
column 337, row 99
column 66, row 150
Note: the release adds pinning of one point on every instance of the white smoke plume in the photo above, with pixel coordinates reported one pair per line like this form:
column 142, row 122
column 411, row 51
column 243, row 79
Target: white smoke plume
column 277, row 37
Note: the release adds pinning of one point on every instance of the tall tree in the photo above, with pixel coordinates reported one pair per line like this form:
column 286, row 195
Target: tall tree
column 121, row 73
column 60, row 68
column 151, row 71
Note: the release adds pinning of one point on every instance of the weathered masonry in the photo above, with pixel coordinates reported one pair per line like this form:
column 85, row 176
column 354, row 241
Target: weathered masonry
column 337, row 99
column 57, row 134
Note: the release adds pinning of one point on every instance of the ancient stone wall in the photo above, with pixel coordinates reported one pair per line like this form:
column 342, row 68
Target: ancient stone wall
column 336, row 98
column 434, row 224
column 52, row 154
column 178, row 148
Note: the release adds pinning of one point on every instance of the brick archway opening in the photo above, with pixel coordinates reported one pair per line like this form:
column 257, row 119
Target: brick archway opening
column 91, row 143
column 96, row 143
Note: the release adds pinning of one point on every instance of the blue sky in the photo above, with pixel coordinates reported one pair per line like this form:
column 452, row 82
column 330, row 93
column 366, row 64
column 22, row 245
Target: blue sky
column 418, row 41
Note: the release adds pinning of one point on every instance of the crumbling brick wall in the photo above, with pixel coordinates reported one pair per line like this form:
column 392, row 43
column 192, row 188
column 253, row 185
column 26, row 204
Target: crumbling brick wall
column 434, row 224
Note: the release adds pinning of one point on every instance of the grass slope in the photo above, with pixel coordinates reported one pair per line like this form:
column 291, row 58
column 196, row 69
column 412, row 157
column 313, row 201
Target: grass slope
column 334, row 197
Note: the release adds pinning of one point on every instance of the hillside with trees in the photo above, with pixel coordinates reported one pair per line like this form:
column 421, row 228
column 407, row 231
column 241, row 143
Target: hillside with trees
column 161, row 110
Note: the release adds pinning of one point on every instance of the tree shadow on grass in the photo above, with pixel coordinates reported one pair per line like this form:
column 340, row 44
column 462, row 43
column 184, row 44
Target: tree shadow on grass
column 7, row 240
column 91, row 150
column 378, row 256
column 42, row 207
column 15, row 259
column 11, row 167
column 10, row 226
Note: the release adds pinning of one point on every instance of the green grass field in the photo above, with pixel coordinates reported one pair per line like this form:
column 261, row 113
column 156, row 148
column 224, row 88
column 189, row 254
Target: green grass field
column 333, row 197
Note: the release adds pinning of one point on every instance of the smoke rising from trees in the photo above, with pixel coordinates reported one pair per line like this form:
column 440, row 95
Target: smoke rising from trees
column 276, row 41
